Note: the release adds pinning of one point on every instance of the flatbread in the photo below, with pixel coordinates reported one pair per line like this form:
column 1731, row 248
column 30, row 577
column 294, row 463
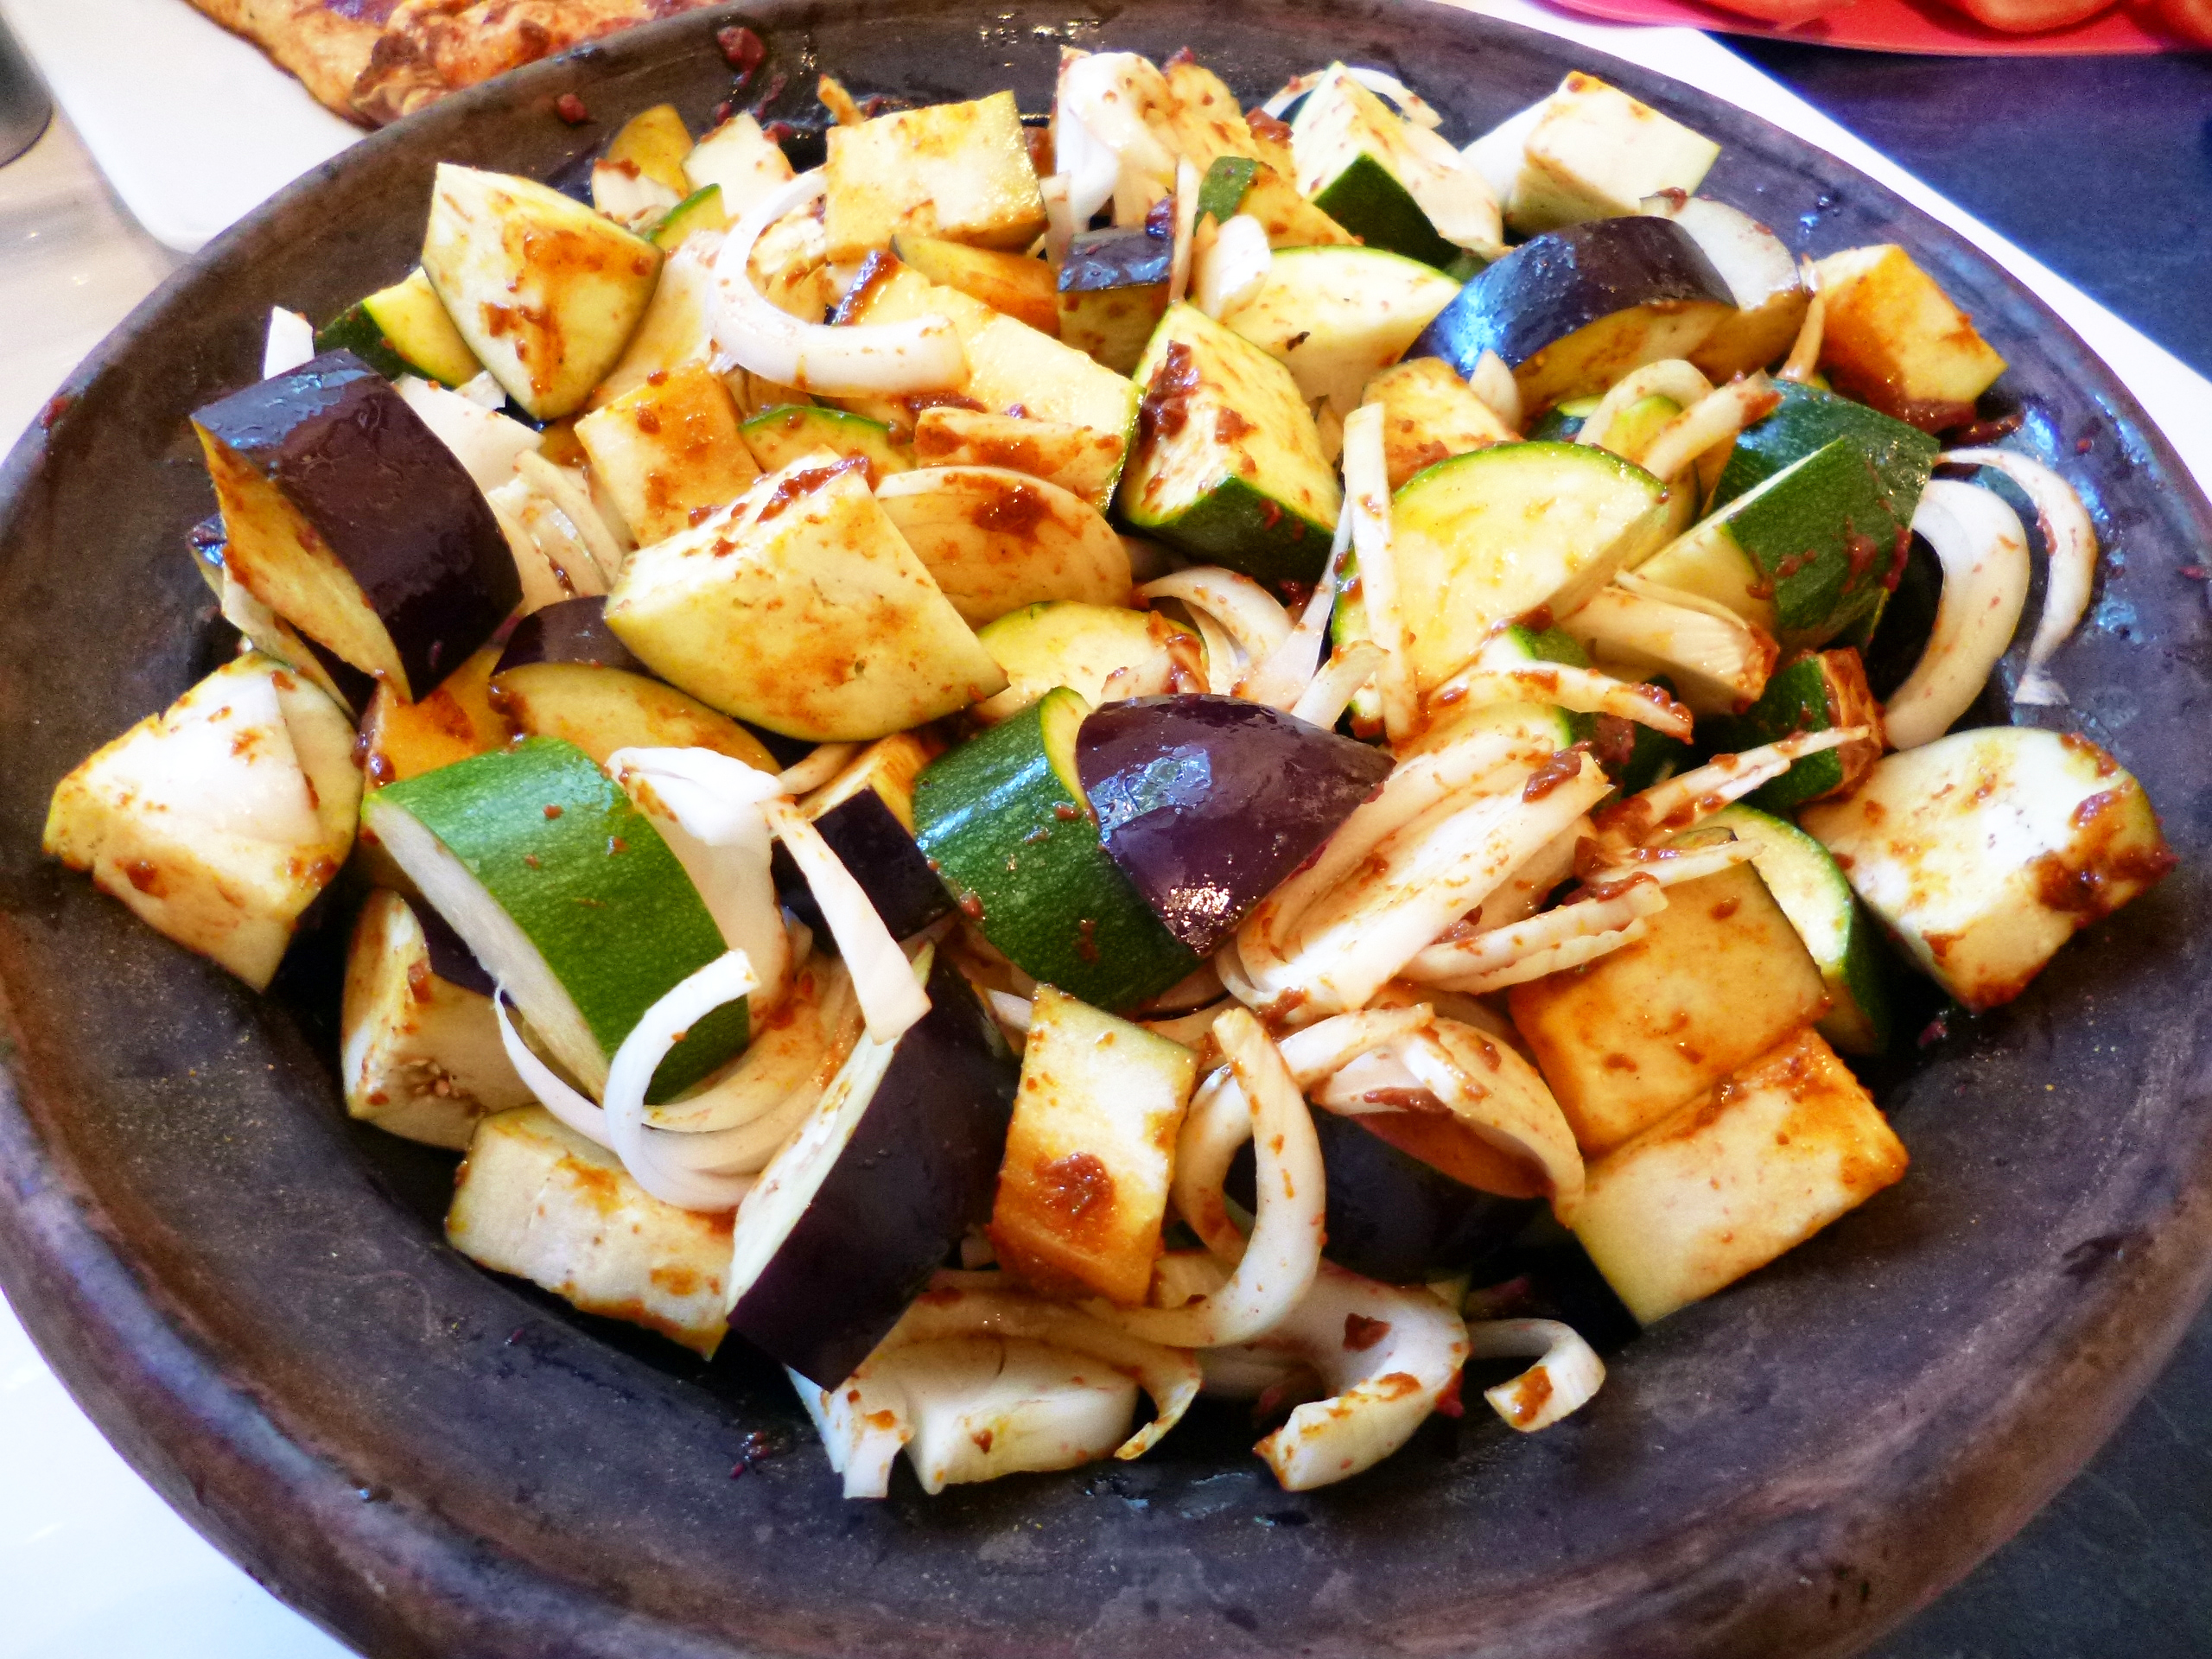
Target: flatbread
column 375, row 60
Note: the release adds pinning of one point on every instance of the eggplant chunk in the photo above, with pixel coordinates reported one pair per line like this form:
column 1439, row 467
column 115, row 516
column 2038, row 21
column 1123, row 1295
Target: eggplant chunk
column 546, row 292
column 1113, row 290
column 1429, row 414
column 1761, row 272
column 669, row 451
column 844, row 635
column 677, row 328
column 1012, row 283
column 1572, row 311
column 420, row 1056
column 866, row 813
column 1987, row 850
column 1893, row 339
column 996, row 541
column 218, row 821
column 1595, row 152
column 1733, row 1179
column 958, row 171
column 536, row 1199
column 894, row 1165
column 347, row 517
column 1721, row 976
column 1079, row 460
column 1082, row 1192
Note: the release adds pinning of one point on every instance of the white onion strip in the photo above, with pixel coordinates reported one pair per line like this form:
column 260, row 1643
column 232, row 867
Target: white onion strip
column 1011, row 1011
column 2069, row 539
column 818, row 767
column 890, row 998
column 1979, row 542
column 1186, row 226
column 1330, row 691
column 573, row 1108
column 1670, row 378
column 1805, row 351
column 1542, row 962
column 1501, row 947
column 1282, row 676
column 1367, row 493
column 722, row 981
column 1385, row 1354
column 1579, row 690
column 560, row 488
column 924, row 354
column 1253, row 617
column 1673, row 806
column 1669, row 867
column 1494, row 383
column 1711, row 421
column 1290, row 92
column 290, row 343
column 1284, row 1251
column 1562, row 1381
column 1234, row 267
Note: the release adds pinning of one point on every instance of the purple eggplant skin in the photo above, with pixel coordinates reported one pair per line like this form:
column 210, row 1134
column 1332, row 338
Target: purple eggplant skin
column 1208, row 804
column 1131, row 258
column 569, row 631
column 922, row 1166
column 389, row 499
column 451, row 960
column 871, row 842
column 1392, row 1217
column 1564, row 280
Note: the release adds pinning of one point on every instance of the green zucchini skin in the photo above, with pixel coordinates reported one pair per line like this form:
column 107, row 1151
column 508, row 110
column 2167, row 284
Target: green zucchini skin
column 1817, row 693
column 1808, row 419
column 1220, row 193
column 354, row 330
column 1368, row 200
column 1246, row 530
column 1004, row 823
column 557, row 845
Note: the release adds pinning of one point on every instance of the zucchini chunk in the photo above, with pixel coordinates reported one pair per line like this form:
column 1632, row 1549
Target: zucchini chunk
column 1761, row 275
column 1802, row 555
column 1731, row 1180
column 740, row 161
column 700, row 211
column 404, row 329
column 669, row 454
column 567, row 894
column 420, row 1055
column 1984, row 851
column 1079, row 460
column 1594, row 152
column 894, row 1163
column 1894, row 339
column 1208, row 804
column 347, row 517
column 1572, row 311
column 651, row 145
column 1012, row 368
column 994, row 541
column 565, row 673
column 219, row 820
column 1486, row 537
column 957, row 171
column 866, row 813
column 536, row 1199
column 1229, row 463
column 1113, row 291
column 1807, row 420
column 1811, row 888
column 1336, row 317
column 844, row 635
column 1720, row 977
column 1012, row 283
column 1065, row 642
column 1356, row 164
column 1237, row 184
column 780, row 435
column 1006, row 821
column 1082, row 1192
column 1429, row 414
column 1203, row 114
column 1824, row 691
column 676, row 328
column 545, row 291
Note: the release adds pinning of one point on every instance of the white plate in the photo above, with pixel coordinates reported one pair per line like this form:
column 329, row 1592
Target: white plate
column 192, row 125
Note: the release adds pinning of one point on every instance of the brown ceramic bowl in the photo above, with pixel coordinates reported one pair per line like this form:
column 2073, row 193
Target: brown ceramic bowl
column 252, row 1298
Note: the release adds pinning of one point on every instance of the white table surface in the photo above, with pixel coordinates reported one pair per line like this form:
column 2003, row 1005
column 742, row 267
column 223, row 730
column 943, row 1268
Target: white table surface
column 92, row 1564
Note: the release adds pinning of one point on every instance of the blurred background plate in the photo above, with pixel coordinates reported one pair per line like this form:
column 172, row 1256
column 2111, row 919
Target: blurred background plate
column 1896, row 25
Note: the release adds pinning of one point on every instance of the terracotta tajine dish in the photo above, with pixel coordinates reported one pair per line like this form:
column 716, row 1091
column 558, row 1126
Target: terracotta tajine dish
column 253, row 1298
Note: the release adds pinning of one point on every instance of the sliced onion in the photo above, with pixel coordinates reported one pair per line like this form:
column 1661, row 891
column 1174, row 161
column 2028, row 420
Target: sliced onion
column 1669, row 867
column 483, row 389
column 1330, row 691
column 722, row 981
column 1494, row 383
column 570, row 1105
column 1804, row 357
column 716, row 797
column 1011, row 1011
column 1060, row 222
column 1149, row 678
column 2071, row 541
column 1385, row 1354
column 1234, row 267
column 1192, row 1030
column 1540, row 961
column 1254, row 619
column 289, row 343
column 1580, row 691
column 1102, row 91
column 565, row 491
column 1490, row 1089
column 1708, row 424
column 890, row 997
column 1669, row 808
column 820, row 765
column 1983, row 549
column 1718, row 660
column 1367, row 495
column 1500, row 948
column 1281, row 1256
column 1282, row 676
column 1670, row 378
column 1186, row 226
column 1290, row 92
column 924, row 354
column 1562, row 1381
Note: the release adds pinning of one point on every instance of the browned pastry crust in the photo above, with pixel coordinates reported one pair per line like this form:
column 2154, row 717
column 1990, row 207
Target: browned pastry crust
column 375, row 60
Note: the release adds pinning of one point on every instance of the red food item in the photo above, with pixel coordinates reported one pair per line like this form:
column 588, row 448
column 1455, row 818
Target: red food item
column 2190, row 19
column 1787, row 14
column 2029, row 16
